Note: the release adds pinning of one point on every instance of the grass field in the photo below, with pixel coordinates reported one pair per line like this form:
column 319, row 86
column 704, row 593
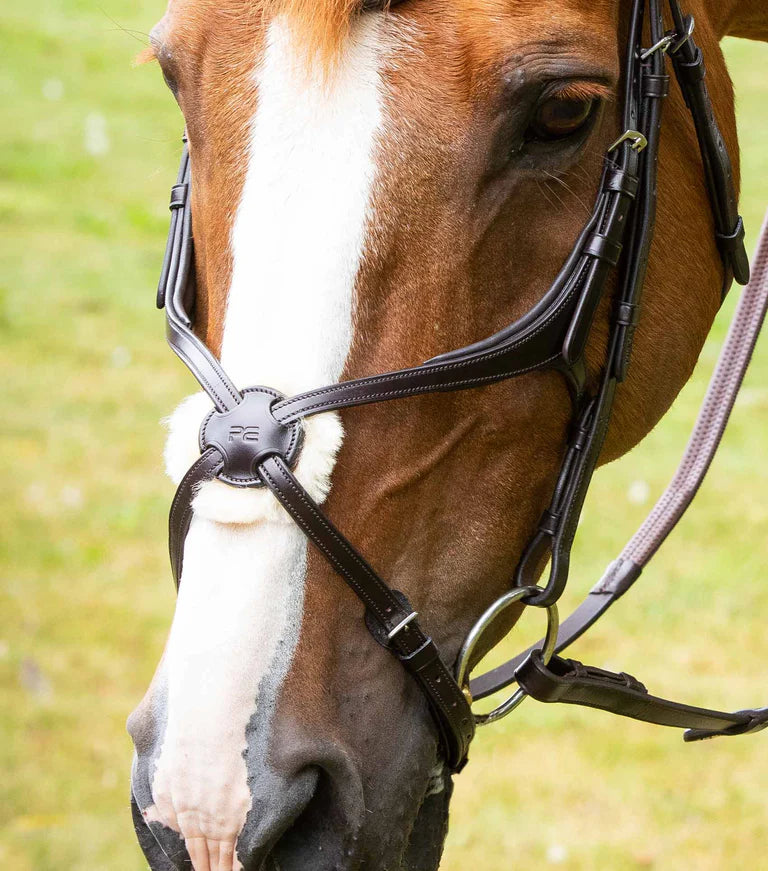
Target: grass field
column 87, row 151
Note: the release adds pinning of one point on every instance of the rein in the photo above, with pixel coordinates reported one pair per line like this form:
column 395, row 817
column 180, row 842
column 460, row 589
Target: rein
column 253, row 437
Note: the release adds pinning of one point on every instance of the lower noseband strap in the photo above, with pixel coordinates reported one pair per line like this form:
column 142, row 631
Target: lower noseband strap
column 407, row 641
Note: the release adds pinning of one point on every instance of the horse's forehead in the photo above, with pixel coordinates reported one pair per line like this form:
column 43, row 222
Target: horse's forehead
column 234, row 26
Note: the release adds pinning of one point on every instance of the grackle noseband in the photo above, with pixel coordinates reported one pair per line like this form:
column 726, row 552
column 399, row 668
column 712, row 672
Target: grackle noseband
column 253, row 437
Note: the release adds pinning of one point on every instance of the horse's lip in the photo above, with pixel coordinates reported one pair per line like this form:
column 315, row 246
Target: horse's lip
column 151, row 842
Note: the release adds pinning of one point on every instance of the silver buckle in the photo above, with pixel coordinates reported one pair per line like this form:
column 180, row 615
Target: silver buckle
column 662, row 45
column 674, row 49
column 402, row 624
column 636, row 139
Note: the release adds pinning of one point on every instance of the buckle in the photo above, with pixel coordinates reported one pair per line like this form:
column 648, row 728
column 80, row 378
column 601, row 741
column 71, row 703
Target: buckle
column 402, row 624
column 637, row 141
column 662, row 45
column 689, row 26
column 671, row 42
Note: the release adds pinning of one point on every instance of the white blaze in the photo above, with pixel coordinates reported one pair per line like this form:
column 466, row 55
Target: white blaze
column 297, row 243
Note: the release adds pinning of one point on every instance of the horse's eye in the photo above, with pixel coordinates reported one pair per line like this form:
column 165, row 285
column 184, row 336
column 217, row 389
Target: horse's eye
column 559, row 117
column 170, row 81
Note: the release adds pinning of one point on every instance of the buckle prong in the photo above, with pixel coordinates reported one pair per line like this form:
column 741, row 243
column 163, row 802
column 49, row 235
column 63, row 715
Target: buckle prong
column 402, row 624
column 662, row 45
column 636, row 139
column 689, row 26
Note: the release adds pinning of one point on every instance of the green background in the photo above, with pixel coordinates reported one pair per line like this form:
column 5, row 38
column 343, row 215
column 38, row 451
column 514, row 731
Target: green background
column 88, row 149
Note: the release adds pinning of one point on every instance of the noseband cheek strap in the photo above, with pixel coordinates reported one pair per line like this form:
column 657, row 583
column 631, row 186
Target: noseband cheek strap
column 253, row 436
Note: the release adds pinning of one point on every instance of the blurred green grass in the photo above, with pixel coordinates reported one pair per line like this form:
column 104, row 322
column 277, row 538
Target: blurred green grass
column 85, row 595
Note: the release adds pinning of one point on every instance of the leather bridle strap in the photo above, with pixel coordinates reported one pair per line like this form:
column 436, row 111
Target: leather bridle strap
column 206, row 468
column 688, row 62
column 623, row 572
column 389, row 615
column 390, row 609
column 176, row 292
column 570, row 682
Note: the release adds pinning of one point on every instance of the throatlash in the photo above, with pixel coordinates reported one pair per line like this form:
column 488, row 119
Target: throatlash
column 253, row 436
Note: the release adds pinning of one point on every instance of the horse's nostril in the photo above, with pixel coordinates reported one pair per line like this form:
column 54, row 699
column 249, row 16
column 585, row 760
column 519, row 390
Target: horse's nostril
column 278, row 802
column 326, row 829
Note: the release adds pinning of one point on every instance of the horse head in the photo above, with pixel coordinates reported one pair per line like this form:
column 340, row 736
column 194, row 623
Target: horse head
column 372, row 187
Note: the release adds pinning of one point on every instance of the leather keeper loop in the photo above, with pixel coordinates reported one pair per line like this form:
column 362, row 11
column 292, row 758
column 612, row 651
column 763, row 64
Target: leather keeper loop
column 655, row 86
column 178, row 197
column 693, row 72
column 627, row 314
column 579, row 439
column 549, row 523
column 733, row 241
column 603, row 248
column 420, row 658
column 622, row 182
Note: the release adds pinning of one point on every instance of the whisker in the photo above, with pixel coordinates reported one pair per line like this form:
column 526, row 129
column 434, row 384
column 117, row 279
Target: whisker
column 554, row 192
column 543, row 191
column 570, row 190
column 138, row 35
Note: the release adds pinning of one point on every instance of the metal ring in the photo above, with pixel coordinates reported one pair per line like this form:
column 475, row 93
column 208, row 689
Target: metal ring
column 476, row 633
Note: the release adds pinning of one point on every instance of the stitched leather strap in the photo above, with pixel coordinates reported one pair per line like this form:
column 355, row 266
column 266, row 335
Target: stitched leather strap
column 204, row 469
column 688, row 62
column 176, row 291
column 412, row 647
column 571, row 683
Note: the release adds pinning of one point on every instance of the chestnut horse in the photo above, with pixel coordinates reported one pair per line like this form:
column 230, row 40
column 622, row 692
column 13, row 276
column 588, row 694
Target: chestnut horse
column 372, row 188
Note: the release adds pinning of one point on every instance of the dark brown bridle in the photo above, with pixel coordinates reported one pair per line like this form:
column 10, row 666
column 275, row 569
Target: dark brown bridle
column 253, row 437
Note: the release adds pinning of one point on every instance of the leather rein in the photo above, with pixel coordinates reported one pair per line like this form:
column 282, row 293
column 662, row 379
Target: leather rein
column 552, row 335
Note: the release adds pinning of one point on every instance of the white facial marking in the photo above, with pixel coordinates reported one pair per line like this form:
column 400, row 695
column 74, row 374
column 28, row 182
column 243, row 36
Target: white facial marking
column 297, row 243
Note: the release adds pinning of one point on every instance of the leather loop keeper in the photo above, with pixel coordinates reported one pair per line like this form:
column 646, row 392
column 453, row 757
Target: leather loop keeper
column 603, row 248
column 627, row 314
column 655, row 86
column 580, row 439
column 728, row 243
column 622, row 182
column 693, row 72
column 549, row 523
column 421, row 657
column 178, row 197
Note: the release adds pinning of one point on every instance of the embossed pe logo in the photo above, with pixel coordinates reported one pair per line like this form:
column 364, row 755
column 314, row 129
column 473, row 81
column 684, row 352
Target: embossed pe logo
column 244, row 433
